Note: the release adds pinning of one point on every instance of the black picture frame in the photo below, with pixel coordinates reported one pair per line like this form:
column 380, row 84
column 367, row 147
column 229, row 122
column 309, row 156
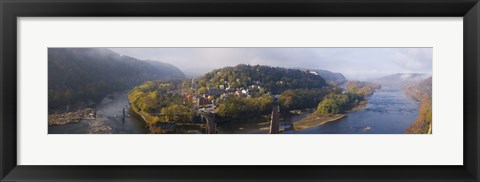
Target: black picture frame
column 10, row 10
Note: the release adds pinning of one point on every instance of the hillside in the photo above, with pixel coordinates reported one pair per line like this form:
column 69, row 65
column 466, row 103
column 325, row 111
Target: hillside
column 422, row 92
column 82, row 76
column 400, row 80
column 337, row 78
column 271, row 79
column 331, row 77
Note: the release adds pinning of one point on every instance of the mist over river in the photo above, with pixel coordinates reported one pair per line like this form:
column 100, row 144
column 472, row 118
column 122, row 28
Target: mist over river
column 387, row 112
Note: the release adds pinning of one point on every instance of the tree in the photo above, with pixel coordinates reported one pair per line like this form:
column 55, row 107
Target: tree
column 334, row 104
column 329, row 106
column 424, row 121
column 177, row 113
column 202, row 90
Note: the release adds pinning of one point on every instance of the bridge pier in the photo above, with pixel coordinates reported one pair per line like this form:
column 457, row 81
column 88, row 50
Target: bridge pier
column 211, row 127
column 210, row 124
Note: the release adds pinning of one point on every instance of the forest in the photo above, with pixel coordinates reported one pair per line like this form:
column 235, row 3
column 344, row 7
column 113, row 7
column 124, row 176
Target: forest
column 422, row 92
column 356, row 91
column 162, row 101
column 275, row 79
column 81, row 77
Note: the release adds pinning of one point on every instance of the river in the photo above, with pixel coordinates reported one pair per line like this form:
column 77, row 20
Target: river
column 109, row 119
column 387, row 112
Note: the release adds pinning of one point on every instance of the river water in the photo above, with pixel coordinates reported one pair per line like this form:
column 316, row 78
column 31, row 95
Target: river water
column 109, row 119
column 387, row 112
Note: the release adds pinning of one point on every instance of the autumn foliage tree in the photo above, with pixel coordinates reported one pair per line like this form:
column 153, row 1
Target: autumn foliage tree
column 234, row 108
column 177, row 113
column 362, row 88
column 301, row 98
column 334, row 104
column 423, row 93
column 423, row 124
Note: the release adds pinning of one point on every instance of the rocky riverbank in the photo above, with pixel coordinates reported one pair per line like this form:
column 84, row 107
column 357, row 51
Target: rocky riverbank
column 71, row 117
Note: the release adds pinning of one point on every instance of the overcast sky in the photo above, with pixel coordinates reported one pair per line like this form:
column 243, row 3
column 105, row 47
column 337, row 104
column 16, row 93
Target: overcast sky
column 354, row 63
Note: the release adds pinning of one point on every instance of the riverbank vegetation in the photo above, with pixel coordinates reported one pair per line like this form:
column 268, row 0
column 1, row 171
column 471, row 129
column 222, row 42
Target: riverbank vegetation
column 336, row 105
column 423, row 93
column 162, row 101
column 301, row 98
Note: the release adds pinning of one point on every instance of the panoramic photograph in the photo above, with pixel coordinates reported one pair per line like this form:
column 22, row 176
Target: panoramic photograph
column 257, row 90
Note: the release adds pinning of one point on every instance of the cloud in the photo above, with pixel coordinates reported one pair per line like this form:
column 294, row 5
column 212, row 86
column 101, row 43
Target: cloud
column 413, row 58
column 354, row 63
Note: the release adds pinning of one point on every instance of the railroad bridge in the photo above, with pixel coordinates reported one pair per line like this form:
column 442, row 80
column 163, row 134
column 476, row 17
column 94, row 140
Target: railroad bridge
column 210, row 123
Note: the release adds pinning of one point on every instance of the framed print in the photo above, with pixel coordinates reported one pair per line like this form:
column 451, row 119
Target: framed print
column 225, row 94
column 229, row 90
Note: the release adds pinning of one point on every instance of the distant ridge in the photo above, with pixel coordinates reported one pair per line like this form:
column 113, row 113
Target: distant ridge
column 400, row 80
column 420, row 90
column 85, row 75
column 331, row 77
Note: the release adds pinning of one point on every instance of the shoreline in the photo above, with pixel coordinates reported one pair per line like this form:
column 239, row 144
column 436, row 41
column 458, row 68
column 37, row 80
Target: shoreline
column 83, row 113
column 315, row 119
column 63, row 118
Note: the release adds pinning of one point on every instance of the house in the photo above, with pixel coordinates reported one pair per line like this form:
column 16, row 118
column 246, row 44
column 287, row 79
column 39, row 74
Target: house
column 202, row 101
column 224, row 95
column 313, row 72
column 244, row 91
column 210, row 98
